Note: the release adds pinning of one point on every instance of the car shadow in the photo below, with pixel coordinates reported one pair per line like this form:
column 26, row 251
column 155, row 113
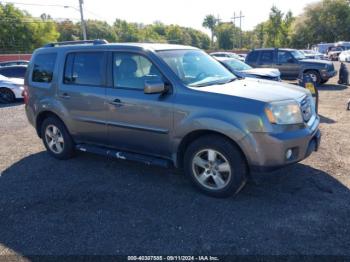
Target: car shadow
column 93, row 205
column 331, row 87
column 4, row 104
column 326, row 120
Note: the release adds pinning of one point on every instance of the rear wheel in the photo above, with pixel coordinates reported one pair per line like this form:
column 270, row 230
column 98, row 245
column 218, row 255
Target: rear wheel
column 57, row 139
column 215, row 166
column 7, row 96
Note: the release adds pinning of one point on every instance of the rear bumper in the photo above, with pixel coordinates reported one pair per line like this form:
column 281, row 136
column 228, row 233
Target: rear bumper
column 269, row 151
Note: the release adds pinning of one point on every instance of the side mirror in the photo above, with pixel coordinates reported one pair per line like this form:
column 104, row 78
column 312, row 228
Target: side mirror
column 154, row 86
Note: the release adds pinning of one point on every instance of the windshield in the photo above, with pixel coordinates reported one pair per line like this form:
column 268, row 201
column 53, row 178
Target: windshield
column 196, row 68
column 236, row 65
column 298, row 55
column 3, row 77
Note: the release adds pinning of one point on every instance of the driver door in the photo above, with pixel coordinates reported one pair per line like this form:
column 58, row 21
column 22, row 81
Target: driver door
column 137, row 122
column 287, row 64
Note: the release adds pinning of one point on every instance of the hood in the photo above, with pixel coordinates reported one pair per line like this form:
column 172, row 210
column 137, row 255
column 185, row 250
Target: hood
column 271, row 72
column 315, row 61
column 257, row 89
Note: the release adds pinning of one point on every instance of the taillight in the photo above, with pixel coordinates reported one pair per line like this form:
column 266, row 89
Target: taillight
column 25, row 94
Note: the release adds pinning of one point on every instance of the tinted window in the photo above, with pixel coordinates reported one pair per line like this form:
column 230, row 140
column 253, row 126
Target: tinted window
column 85, row 68
column 44, row 65
column 266, row 57
column 131, row 71
column 17, row 72
column 284, row 57
column 252, row 57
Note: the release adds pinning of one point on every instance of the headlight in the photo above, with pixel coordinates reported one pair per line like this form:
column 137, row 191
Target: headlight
column 284, row 113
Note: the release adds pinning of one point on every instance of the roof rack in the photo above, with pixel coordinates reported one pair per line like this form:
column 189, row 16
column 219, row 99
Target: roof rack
column 79, row 42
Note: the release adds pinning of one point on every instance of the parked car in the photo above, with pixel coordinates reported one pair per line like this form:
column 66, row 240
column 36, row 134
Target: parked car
column 228, row 55
column 10, row 89
column 14, row 62
column 344, row 56
column 242, row 70
column 312, row 54
column 169, row 105
column 13, row 71
column 334, row 52
column 291, row 63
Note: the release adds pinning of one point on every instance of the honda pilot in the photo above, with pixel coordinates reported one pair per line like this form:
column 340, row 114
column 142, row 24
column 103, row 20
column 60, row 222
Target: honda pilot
column 167, row 105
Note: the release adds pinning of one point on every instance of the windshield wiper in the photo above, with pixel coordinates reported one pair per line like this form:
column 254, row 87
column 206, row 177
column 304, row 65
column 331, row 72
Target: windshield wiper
column 217, row 82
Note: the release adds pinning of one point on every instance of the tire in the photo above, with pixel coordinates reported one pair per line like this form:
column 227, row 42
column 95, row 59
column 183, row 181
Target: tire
column 315, row 76
column 206, row 176
column 7, row 96
column 56, row 138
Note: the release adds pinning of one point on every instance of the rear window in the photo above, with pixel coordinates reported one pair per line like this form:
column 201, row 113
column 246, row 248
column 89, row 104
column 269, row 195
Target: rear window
column 44, row 65
column 252, row 57
column 85, row 68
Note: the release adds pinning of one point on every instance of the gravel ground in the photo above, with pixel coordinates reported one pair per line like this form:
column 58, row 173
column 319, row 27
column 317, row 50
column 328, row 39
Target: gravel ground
column 92, row 205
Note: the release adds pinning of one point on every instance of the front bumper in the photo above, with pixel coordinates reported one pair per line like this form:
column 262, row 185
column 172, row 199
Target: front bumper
column 270, row 150
column 325, row 75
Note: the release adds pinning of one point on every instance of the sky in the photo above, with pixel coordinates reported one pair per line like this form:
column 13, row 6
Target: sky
column 188, row 13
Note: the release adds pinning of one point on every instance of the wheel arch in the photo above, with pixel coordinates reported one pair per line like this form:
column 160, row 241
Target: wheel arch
column 196, row 134
column 40, row 119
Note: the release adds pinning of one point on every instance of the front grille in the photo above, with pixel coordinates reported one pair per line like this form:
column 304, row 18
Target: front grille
column 306, row 109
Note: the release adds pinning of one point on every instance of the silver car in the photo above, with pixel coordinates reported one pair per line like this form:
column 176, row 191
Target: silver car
column 167, row 105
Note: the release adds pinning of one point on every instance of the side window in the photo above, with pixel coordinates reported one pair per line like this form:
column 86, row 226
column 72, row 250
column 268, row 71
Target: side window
column 266, row 57
column 284, row 57
column 131, row 70
column 7, row 72
column 44, row 65
column 253, row 57
column 19, row 72
column 85, row 68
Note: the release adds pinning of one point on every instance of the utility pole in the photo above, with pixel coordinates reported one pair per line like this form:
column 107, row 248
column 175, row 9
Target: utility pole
column 83, row 25
column 240, row 23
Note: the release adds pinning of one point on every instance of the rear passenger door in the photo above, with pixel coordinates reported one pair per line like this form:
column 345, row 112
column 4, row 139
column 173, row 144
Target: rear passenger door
column 137, row 122
column 267, row 59
column 82, row 94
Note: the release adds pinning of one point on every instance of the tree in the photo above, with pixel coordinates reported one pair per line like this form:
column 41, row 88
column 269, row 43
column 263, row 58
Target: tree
column 325, row 21
column 20, row 32
column 210, row 22
column 227, row 35
column 100, row 30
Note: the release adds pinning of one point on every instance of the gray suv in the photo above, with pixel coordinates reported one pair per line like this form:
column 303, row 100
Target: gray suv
column 167, row 105
column 291, row 64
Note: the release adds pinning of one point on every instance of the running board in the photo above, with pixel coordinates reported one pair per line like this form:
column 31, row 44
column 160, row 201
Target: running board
column 147, row 160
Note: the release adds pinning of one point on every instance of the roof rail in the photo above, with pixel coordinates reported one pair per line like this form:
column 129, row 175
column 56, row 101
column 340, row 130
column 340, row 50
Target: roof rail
column 79, row 42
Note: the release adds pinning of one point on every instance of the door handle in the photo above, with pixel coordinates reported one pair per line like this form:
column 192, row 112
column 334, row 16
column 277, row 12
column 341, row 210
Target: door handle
column 64, row 95
column 116, row 102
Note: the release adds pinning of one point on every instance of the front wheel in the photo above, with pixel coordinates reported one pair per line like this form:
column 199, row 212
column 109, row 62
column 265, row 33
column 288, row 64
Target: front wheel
column 315, row 76
column 215, row 166
column 7, row 96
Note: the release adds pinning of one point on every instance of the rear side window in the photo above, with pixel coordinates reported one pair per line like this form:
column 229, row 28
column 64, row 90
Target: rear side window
column 85, row 68
column 252, row 57
column 44, row 65
column 266, row 57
